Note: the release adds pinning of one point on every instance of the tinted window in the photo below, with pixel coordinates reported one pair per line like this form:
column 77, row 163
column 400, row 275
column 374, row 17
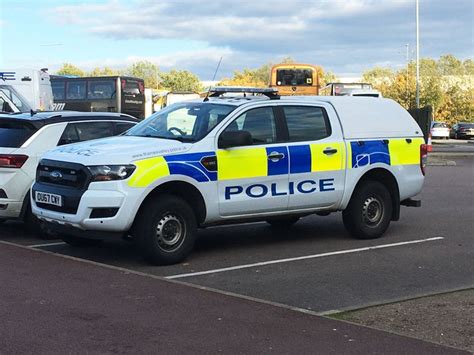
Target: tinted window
column 132, row 87
column 14, row 134
column 84, row 131
column 121, row 127
column 259, row 122
column 5, row 106
column 94, row 130
column 293, row 77
column 306, row 123
column 103, row 89
column 76, row 90
column 69, row 135
column 58, row 89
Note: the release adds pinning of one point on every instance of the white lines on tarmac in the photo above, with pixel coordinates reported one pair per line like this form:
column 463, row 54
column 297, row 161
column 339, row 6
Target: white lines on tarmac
column 46, row 245
column 314, row 256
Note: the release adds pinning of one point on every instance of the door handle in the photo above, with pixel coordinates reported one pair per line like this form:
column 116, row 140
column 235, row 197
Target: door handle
column 330, row 151
column 275, row 156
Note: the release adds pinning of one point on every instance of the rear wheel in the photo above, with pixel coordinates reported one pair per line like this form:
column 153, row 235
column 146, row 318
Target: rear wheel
column 166, row 230
column 369, row 212
column 282, row 222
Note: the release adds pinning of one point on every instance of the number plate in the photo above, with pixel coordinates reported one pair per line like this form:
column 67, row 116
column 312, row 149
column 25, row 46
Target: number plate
column 49, row 199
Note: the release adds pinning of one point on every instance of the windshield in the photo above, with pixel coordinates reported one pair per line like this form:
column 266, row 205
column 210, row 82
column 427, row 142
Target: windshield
column 184, row 121
column 16, row 98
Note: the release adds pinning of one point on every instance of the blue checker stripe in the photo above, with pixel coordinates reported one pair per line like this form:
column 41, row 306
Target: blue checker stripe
column 370, row 152
column 279, row 167
column 300, row 159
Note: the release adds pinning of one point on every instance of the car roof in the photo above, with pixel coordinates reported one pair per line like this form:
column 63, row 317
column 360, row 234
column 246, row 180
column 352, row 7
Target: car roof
column 44, row 118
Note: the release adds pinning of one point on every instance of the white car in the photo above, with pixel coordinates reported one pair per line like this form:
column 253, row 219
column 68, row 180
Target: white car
column 24, row 137
column 233, row 159
column 439, row 130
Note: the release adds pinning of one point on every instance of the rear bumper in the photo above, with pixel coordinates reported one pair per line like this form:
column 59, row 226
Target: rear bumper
column 10, row 209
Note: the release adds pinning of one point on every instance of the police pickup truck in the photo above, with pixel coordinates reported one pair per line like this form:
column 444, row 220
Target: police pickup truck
column 231, row 158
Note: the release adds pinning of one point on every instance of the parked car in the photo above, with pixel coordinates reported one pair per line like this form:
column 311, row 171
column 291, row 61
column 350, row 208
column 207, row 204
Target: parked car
column 462, row 130
column 439, row 130
column 24, row 137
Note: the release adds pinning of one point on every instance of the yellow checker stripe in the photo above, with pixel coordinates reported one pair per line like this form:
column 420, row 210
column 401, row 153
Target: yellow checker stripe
column 404, row 153
column 349, row 155
column 242, row 163
column 324, row 162
column 148, row 170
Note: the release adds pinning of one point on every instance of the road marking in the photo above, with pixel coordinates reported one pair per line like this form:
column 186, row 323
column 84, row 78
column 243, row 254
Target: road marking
column 46, row 245
column 314, row 256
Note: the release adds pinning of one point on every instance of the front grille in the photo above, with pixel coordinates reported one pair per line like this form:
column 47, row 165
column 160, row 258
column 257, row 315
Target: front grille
column 61, row 173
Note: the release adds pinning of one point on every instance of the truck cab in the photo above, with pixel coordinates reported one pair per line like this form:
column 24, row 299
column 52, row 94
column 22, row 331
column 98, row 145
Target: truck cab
column 231, row 159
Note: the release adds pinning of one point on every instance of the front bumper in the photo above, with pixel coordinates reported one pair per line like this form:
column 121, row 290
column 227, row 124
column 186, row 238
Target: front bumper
column 126, row 204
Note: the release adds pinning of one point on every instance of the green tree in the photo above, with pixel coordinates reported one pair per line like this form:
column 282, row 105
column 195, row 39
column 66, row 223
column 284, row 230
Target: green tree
column 181, row 80
column 147, row 71
column 449, row 65
column 328, row 77
column 70, row 69
column 106, row 71
column 468, row 65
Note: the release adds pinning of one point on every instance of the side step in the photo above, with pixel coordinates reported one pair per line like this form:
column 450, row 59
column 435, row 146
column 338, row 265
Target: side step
column 411, row 203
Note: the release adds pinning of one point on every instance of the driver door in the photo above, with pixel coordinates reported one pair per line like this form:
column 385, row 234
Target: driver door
column 253, row 179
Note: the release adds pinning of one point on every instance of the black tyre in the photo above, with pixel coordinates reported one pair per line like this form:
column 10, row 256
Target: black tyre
column 369, row 212
column 282, row 222
column 166, row 230
column 80, row 242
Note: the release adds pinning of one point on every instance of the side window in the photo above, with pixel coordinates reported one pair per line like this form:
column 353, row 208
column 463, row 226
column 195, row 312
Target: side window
column 69, row 135
column 58, row 89
column 259, row 122
column 121, row 127
column 76, row 90
column 306, row 123
column 94, row 130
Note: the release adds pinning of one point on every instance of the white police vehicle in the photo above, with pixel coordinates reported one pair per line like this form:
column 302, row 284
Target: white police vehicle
column 233, row 159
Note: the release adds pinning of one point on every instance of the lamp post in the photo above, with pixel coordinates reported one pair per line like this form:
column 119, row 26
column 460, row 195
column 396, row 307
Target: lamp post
column 417, row 54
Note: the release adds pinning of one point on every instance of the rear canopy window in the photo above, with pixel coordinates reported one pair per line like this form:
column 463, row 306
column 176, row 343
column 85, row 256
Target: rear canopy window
column 14, row 134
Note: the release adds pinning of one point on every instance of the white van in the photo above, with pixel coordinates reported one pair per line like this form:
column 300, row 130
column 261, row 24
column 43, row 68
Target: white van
column 33, row 84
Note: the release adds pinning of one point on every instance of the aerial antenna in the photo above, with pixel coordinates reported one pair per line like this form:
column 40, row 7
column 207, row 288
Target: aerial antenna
column 213, row 78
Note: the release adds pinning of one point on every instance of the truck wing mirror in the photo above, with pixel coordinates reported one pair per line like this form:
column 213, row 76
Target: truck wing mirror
column 234, row 139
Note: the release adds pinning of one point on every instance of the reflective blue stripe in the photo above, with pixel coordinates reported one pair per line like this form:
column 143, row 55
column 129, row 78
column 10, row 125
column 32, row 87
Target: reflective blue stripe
column 278, row 167
column 369, row 152
column 189, row 165
column 300, row 159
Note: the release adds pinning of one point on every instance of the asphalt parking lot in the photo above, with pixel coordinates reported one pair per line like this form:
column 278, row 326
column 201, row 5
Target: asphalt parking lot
column 315, row 265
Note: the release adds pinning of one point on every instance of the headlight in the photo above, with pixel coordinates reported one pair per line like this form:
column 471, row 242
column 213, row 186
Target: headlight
column 111, row 172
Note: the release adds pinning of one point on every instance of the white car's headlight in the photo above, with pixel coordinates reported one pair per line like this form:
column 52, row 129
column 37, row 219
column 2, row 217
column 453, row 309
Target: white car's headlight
column 111, row 172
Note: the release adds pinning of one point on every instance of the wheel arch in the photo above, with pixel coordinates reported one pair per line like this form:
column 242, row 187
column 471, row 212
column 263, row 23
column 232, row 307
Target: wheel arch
column 387, row 178
column 186, row 191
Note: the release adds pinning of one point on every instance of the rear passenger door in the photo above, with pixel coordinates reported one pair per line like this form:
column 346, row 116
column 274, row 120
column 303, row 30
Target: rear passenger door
column 254, row 179
column 317, row 157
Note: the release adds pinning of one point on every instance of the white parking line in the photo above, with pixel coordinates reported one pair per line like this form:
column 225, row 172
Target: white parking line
column 314, row 256
column 45, row 245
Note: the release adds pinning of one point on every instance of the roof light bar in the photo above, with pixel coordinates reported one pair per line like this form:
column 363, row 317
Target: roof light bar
column 217, row 91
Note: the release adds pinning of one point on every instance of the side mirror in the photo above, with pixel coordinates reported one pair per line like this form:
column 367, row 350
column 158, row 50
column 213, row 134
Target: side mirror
column 234, row 139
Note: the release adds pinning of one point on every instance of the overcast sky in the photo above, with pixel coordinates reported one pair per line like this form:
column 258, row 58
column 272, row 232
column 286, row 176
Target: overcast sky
column 344, row 36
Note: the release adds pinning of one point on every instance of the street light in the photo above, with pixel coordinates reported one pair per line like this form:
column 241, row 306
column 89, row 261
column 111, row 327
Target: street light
column 417, row 54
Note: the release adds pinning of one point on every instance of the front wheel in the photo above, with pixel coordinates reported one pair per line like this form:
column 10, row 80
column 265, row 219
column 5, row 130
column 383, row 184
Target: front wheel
column 369, row 212
column 166, row 230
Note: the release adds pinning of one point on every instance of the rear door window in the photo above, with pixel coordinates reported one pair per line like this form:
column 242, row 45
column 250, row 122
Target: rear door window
column 14, row 134
column 84, row 131
column 121, row 127
column 306, row 123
